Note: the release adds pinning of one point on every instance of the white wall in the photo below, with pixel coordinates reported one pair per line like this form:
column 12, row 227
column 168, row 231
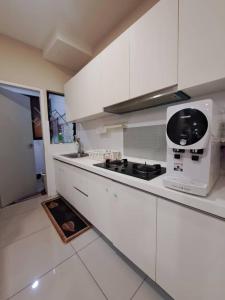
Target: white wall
column 24, row 65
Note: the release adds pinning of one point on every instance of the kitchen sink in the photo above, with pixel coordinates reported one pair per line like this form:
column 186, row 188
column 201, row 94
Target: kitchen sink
column 75, row 155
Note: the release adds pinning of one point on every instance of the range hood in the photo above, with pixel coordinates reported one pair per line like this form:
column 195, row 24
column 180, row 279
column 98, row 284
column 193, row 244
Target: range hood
column 161, row 97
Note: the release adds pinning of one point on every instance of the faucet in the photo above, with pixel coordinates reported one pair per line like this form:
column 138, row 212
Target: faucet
column 77, row 145
column 79, row 148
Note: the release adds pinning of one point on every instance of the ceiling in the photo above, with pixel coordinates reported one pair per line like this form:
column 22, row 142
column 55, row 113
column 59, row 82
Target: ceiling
column 68, row 31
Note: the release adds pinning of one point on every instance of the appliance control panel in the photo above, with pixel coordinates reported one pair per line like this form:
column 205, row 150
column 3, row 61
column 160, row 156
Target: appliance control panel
column 179, row 155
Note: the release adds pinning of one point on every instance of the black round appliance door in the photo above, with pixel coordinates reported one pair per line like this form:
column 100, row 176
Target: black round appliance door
column 187, row 127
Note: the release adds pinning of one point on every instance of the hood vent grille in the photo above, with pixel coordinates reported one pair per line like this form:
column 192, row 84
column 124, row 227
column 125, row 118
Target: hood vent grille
column 161, row 97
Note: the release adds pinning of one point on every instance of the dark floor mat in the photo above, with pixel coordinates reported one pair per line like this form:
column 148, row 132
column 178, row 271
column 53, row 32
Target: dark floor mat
column 66, row 220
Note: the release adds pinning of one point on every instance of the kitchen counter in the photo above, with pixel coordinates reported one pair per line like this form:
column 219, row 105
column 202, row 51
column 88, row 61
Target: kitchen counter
column 213, row 204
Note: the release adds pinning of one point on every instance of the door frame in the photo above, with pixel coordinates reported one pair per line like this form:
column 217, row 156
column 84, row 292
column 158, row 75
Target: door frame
column 44, row 118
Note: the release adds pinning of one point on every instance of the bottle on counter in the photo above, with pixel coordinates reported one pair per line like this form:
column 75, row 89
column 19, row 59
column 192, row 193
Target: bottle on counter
column 60, row 137
column 77, row 145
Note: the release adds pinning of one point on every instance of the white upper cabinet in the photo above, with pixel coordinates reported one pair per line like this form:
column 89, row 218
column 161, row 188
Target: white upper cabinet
column 201, row 42
column 141, row 60
column 153, row 49
column 190, row 253
column 83, row 94
column 115, row 71
column 102, row 82
column 73, row 95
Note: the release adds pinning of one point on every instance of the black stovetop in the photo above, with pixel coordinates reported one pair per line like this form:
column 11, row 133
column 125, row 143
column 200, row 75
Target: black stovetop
column 143, row 171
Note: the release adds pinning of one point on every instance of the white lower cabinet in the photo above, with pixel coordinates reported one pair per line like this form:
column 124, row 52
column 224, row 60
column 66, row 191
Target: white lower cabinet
column 80, row 193
column 126, row 216
column 59, row 175
column 133, row 225
column 63, row 179
column 178, row 247
column 190, row 253
column 87, row 192
column 99, row 196
column 72, row 184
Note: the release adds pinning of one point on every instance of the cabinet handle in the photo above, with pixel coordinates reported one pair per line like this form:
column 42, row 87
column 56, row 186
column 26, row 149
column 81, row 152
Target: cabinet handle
column 80, row 191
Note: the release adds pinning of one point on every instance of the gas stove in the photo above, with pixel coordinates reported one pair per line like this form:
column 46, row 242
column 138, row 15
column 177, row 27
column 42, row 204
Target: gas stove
column 142, row 171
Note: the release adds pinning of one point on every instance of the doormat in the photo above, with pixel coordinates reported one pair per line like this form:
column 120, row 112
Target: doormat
column 66, row 220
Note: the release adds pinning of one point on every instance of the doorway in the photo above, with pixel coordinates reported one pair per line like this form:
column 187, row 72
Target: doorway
column 22, row 146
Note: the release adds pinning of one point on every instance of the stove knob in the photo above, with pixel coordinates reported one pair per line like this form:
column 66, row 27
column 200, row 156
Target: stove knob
column 125, row 162
column 107, row 163
column 123, row 170
column 116, row 169
column 195, row 157
column 157, row 166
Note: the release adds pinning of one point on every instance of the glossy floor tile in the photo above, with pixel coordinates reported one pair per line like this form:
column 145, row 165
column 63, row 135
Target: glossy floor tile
column 148, row 291
column 36, row 264
column 22, row 207
column 22, row 262
column 84, row 239
column 116, row 277
column 68, row 281
column 22, row 225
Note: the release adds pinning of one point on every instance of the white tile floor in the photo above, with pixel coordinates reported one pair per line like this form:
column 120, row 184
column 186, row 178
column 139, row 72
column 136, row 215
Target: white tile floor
column 35, row 264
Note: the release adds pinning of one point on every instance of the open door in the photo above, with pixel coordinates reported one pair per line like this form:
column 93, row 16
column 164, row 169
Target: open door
column 17, row 164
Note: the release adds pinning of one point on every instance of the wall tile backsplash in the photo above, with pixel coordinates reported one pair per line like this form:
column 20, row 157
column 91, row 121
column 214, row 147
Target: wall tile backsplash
column 145, row 142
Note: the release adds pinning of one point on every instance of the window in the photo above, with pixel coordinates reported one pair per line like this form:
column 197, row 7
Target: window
column 61, row 131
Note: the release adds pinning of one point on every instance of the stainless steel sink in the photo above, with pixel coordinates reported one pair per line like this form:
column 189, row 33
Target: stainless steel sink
column 75, row 155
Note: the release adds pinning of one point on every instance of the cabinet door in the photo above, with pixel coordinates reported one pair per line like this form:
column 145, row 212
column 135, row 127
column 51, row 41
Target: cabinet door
column 73, row 96
column 190, row 253
column 92, row 100
column 63, row 174
column 69, row 90
column 201, row 42
column 80, row 191
column 133, row 225
column 153, row 49
column 115, row 71
column 83, row 92
column 72, row 183
column 99, row 201
column 60, row 178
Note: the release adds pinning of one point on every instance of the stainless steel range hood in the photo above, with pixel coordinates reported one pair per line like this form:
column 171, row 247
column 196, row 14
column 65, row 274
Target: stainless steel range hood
column 160, row 97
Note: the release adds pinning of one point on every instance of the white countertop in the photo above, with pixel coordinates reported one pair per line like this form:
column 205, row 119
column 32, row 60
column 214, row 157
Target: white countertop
column 214, row 203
